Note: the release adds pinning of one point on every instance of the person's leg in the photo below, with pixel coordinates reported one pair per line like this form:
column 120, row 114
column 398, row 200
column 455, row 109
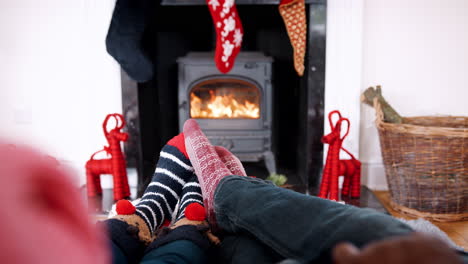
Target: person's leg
column 133, row 228
column 296, row 225
column 207, row 165
column 124, row 242
column 191, row 193
column 233, row 163
column 180, row 252
column 173, row 170
column 118, row 256
column 235, row 248
column 243, row 248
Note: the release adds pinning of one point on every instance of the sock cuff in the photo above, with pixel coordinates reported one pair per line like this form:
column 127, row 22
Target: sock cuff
column 179, row 142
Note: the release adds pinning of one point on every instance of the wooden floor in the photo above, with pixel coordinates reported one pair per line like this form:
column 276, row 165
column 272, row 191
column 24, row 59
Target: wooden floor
column 457, row 231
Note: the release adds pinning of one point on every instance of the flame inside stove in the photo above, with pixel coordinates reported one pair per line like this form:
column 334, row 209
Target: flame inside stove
column 223, row 106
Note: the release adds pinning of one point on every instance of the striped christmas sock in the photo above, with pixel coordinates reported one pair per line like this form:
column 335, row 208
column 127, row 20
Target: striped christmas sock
column 191, row 193
column 173, row 170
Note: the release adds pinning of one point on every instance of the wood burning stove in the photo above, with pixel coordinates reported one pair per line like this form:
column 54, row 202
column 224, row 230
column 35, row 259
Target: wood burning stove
column 234, row 110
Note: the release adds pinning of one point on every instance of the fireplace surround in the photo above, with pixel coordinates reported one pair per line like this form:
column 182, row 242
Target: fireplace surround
column 151, row 109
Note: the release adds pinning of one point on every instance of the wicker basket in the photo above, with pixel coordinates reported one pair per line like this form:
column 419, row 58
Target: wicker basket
column 426, row 165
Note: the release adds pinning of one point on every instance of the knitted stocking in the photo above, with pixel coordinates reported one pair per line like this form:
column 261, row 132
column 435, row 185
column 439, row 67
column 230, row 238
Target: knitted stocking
column 231, row 161
column 229, row 32
column 123, row 41
column 206, row 163
column 294, row 16
column 191, row 192
column 162, row 194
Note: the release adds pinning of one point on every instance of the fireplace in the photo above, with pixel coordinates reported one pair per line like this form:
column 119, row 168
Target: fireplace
column 234, row 110
column 294, row 119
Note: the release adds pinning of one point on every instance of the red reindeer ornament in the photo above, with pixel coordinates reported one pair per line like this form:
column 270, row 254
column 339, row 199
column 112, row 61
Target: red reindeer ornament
column 114, row 165
column 334, row 167
column 350, row 169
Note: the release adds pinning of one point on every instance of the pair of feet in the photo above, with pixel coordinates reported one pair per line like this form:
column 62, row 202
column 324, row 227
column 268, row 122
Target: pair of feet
column 187, row 173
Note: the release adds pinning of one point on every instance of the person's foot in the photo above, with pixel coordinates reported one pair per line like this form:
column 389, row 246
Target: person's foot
column 160, row 198
column 173, row 170
column 231, row 161
column 207, row 165
column 191, row 193
column 195, row 215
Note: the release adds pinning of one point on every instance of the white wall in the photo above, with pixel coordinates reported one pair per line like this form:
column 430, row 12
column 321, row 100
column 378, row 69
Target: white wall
column 343, row 73
column 418, row 51
column 57, row 81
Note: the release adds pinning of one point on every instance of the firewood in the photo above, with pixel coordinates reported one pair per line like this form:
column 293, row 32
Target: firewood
column 390, row 114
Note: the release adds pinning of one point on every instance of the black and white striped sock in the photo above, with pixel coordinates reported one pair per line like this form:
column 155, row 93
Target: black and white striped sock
column 191, row 193
column 173, row 170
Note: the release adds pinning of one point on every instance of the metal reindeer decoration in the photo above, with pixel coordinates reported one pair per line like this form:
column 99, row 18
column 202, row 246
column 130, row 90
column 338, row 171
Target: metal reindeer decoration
column 334, row 167
column 114, row 165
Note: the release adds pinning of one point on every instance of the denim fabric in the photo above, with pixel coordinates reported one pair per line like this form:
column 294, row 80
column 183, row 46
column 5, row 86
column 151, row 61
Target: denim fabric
column 295, row 225
column 242, row 248
column 124, row 240
column 118, row 257
column 180, row 252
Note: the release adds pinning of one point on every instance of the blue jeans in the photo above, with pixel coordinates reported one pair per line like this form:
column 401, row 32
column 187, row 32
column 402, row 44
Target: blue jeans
column 180, row 251
column 271, row 223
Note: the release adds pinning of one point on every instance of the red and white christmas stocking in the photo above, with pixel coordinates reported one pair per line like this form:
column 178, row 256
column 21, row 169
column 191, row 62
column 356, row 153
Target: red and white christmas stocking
column 294, row 17
column 229, row 32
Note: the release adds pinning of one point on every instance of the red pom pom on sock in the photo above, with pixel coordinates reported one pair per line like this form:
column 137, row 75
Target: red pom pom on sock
column 166, row 222
column 124, row 207
column 195, row 211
